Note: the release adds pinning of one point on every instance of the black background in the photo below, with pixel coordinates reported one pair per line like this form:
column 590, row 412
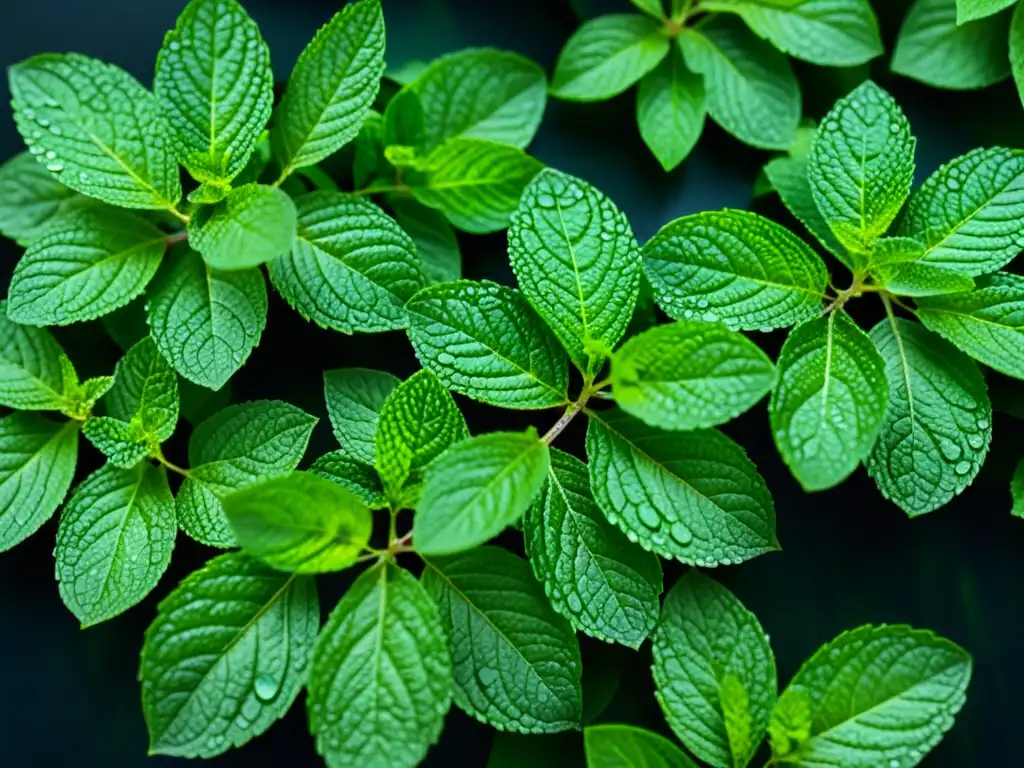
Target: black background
column 70, row 697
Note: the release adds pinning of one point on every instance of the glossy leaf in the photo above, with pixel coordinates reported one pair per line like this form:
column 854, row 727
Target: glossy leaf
column 31, row 199
column 788, row 176
column 670, row 109
column 625, row 746
column 436, row 244
column 354, row 399
column 30, row 367
column 352, row 475
column 145, row 390
column 252, row 225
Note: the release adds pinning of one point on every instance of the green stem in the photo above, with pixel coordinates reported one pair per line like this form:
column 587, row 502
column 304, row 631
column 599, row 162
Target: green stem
column 381, row 190
column 159, row 456
column 589, row 390
column 184, row 218
column 177, row 237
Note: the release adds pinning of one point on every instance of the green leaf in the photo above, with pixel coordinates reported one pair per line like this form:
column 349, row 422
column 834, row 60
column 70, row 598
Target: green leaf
column 751, row 89
column 861, row 166
column 37, row 463
column 145, row 391
column 475, row 183
column 300, row 522
column 881, row 695
column 484, row 341
column 31, row 199
column 919, row 279
column 215, row 87
column 381, row 679
column 403, row 124
column 788, row 176
column 86, row 265
column 252, row 225
column 482, row 93
column 969, row 213
column 625, row 746
column 832, row 33
column 969, row 10
column 516, row 662
column 735, row 704
column 694, row 496
column 670, row 109
column 886, row 251
column 352, row 267
column 352, row 475
column 30, row 367
column 1017, row 491
column 434, row 238
column 987, row 324
column 332, row 87
column 603, row 584
column 708, row 647
column 215, row 679
column 477, row 488
column 119, row 441
column 209, row 192
column 115, row 540
column 97, row 127
column 418, row 422
column 653, row 7
column 790, row 726
column 205, row 321
column 354, row 399
column 690, row 374
column 830, row 400
column 933, row 49
column 577, row 263
column 735, row 267
column 239, row 446
column 1017, row 49
column 608, row 54
column 938, row 425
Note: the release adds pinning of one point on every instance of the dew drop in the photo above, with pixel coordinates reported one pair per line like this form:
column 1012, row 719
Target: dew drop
column 487, row 676
column 894, row 764
column 606, row 236
column 962, row 468
column 953, row 184
column 976, row 441
column 445, row 359
column 83, row 176
column 30, row 114
column 894, row 128
column 51, row 155
column 649, row 517
column 35, row 149
column 175, row 45
column 982, row 424
column 265, row 687
column 544, row 200
column 574, row 604
column 681, row 534
column 55, row 130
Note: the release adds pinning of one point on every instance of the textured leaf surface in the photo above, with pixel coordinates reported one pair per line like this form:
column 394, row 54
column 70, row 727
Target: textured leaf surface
column 968, row 10
column 115, row 540
column 145, row 389
column 332, row 87
column 922, row 280
column 30, row 367
column 485, row 341
column 690, row 374
column 830, row 401
column 354, row 399
column 477, row 488
column 694, row 496
column 670, row 109
column 254, row 224
column 788, row 175
column 352, row 475
column 577, row 263
column 938, row 425
column 1017, row 49
column 736, row 267
column 37, row 463
column 624, row 746
column 434, row 237
column 602, row 583
column 215, row 87
column 97, row 127
column 86, row 265
column 352, row 268
column 751, row 89
column 879, row 696
column 117, row 440
column 515, row 661
column 226, row 656
column 31, row 199
column 706, row 640
column 207, row 321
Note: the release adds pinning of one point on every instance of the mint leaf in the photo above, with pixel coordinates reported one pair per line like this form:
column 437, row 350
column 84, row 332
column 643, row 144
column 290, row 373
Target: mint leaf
column 608, row 54
column 790, row 726
column 418, row 422
column 352, row 475
column 123, row 445
column 403, row 121
column 987, row 324
column 145, row 391
column 1017, row 49
column 879, row 696
column 932, row 48
column 484, row 341
column 1017, row 491
column 115, row 540
column 31, row 199
column 252, row 225
column 603, row 584
column 708, row 645
column 239, row 446
column 751, row 89
column 477, row 488
column 206, row 321
column 886, row 251
column 625, row 746
column 735, row 267
column 694, row 496
column 354, row 399
column 968, row 213
column 208, row 193
column 830, row 400
column 381, row 679
column 215, row 680
column 690, row 374
column 861, row 165
column 938, row 425
column 332, row 87
column 97, row 127
column 300, row 522
column 352, row 267
column 833, row 33
column 37, row 463
column 475, row 183
column 215, row 87
column 434, row 238
column 670, row 109
column 653, row 7
column 919, row 279
column 30, row 367
column 516, row 662
column 86, row 265
column 788, row 176
column 482, row 93
column 969, row 10
column 577, row 263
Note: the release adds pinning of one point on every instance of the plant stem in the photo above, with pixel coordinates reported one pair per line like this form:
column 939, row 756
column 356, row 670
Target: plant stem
column 159, row 456
column 177, row 237
column 381, row 190
column 570, row 413
column 284, row 175
column 184, row 218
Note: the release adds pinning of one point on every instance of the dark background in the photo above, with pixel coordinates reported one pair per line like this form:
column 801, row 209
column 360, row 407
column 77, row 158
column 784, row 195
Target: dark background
column 70, row 697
